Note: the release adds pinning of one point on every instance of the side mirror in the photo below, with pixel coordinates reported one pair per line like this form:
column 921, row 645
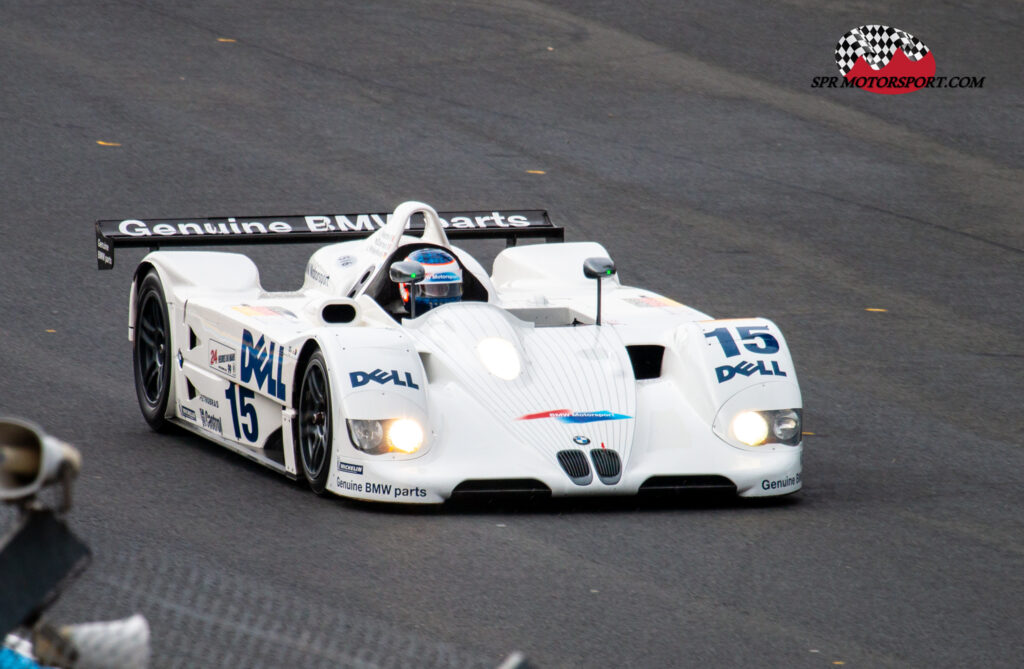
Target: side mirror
column 598, row 268
column 406, row 271
column 31, row 459
column 411, row 272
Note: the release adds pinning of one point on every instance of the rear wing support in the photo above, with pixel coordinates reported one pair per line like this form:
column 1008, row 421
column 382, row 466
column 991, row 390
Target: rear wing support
column 319, row 229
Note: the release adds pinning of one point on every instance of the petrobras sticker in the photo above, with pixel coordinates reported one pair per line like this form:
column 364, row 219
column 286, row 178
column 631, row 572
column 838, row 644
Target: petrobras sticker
column 223, row 358
column 566, row 416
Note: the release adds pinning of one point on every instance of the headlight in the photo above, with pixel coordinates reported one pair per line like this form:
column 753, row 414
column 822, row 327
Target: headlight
column 378, row 436
column 786, row 426
column 754, row 428
column 750, row 427
column 405, row 435
column 367, row 435
column 499, row 357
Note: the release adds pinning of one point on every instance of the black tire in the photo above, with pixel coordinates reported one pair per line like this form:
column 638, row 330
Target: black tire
column 313, row 436
column 151, row 351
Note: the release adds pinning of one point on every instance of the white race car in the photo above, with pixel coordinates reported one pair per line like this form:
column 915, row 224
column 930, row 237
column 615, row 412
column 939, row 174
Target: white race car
column 401, row 371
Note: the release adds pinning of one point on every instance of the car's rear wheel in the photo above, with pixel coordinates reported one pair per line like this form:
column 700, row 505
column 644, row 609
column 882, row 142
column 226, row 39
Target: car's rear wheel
column 314, row 424
column 151, row 351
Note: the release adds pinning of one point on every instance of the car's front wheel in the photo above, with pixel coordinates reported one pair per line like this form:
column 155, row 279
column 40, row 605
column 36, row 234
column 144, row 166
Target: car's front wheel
column 314, row 424
column 151, row 351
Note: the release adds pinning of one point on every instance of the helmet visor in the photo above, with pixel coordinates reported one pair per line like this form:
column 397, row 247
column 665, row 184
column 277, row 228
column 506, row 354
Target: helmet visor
column 449, row 290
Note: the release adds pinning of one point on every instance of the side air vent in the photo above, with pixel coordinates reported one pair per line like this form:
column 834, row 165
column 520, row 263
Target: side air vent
column 429, row 366
column 193, row 341
column 677, row 484
column 646, row 359
column 501, row 488
column 190, row 388
column 273, row 448
column 607, row 464
column 338, row 313
column 575, row 465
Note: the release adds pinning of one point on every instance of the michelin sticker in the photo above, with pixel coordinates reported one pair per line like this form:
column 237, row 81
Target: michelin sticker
column 350, row 468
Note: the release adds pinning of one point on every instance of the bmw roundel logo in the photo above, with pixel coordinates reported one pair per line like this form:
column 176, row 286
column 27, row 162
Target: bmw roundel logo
column 581, row 440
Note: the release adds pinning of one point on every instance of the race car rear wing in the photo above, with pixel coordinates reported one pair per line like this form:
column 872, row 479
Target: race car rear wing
column 154, row 233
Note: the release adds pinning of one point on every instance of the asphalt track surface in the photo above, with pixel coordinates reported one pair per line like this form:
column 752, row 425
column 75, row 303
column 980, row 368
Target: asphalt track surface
column 687, row 139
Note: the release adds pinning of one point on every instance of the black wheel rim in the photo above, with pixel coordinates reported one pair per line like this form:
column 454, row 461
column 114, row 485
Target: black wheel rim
column 152, row 347
column 314, row 421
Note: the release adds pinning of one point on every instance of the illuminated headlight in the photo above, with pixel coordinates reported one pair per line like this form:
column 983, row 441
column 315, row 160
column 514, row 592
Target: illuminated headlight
column 379, row 436
column 750, row 427
column 499, row 357
column 755, row 428
column 405, row 435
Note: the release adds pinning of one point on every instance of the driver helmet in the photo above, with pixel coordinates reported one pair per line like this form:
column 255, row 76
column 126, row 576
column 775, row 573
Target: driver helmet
column 442, row 280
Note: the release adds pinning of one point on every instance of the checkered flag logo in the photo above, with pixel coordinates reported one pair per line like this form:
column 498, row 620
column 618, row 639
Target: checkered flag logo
column 877, row 44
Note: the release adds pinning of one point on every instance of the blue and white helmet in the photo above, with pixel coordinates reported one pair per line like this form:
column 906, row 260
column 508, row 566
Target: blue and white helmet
column 442, row 280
